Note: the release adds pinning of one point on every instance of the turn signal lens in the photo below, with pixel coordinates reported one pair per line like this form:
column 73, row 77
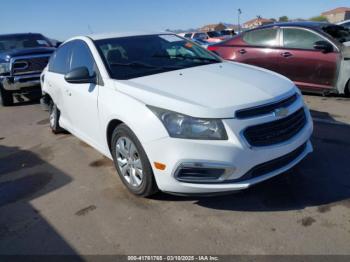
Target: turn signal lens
column 159, row 166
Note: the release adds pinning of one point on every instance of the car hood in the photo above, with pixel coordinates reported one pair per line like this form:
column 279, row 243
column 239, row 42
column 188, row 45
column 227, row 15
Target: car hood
column 209, row 91
column 26, row 51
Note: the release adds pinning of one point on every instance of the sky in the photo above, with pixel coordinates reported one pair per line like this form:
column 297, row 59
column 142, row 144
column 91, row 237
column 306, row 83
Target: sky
column 61, row 19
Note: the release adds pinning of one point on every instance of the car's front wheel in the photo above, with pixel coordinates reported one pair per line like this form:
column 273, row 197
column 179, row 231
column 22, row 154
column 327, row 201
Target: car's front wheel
column 6, row 97
column 132, row 163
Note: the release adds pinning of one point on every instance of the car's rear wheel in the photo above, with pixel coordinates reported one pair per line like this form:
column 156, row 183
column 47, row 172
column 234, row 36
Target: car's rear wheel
column 54, row 117
column 132, row 163
column 6, row 97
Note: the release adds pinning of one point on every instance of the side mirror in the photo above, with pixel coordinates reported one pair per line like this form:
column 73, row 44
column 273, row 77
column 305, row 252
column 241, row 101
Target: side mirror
column 323, row 46
column 80, row 75
column 57, row 45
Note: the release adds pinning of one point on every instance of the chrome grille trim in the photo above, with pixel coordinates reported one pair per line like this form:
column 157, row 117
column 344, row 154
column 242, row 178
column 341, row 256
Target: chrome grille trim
column 36, row 63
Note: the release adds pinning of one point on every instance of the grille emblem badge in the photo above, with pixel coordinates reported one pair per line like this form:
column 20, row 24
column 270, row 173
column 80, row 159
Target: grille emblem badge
column 281, row 112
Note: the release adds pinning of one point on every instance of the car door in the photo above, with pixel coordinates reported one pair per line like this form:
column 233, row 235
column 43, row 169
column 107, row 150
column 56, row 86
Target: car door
column 261, row 48
column 302, row 63
column 81, row 100
column 54, row 79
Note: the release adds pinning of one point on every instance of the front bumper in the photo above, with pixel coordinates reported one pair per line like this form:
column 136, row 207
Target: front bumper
column 21, row 84
column 235, row 156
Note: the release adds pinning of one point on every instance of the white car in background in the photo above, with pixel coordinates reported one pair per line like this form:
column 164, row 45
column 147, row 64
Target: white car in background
column 174, row 116
column 210, row 37
column 345, row 23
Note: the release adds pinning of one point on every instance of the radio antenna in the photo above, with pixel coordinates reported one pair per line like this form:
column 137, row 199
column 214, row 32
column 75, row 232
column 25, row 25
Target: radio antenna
column 90, row 29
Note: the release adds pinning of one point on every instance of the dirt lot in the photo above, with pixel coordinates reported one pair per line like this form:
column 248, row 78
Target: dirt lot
column 59, row 196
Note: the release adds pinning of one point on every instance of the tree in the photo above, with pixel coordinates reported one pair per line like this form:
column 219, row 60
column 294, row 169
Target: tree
column 319, row 19
column 283, row 19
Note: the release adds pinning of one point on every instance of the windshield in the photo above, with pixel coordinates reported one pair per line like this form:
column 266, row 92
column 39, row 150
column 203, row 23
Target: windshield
column 214, row 34
column 9, row 42
column 227, row 32
column 200, row 36
column 137, row 56
column 340, row 33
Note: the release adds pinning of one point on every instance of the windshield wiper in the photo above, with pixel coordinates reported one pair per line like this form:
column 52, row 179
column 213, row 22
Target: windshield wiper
column 141, row 64
column 134, row 64
column 189, row 58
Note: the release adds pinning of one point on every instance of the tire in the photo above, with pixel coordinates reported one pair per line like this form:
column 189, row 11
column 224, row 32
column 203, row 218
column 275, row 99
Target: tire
column 54, row 116
column 132, row 164
column 6, row 98
column 347, row 90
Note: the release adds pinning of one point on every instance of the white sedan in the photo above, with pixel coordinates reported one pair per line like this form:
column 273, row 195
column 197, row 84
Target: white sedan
column 173, row 116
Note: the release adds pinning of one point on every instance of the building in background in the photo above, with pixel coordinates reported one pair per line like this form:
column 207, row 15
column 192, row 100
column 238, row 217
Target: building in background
column 213, row 27
column 337, row 15
column 259, row 21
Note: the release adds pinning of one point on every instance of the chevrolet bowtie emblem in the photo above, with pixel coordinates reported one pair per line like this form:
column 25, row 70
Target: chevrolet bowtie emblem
column 281, row 112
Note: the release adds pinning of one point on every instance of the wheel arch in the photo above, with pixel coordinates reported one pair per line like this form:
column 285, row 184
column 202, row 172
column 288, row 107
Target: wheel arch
column 46, row 100
column 113, row 124
column 347, row 88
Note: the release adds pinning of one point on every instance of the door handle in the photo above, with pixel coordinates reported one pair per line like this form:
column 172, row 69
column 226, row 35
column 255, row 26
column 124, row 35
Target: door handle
column 68, row 92
column 242, row 51
column 286, row 54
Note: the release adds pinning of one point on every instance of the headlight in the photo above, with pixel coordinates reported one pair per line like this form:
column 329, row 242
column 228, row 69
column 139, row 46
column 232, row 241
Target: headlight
column 4, row 68
column 187, row 127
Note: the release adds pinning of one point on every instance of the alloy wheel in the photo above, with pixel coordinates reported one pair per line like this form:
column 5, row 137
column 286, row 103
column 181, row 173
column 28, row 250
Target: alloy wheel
column 129, row 161
column 52, row 117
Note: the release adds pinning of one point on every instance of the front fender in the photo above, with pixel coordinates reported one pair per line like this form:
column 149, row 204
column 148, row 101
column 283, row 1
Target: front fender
column 114, row 105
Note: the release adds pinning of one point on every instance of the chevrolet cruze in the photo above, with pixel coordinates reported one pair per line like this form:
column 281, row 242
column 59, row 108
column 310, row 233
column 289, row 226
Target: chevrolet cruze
column 173, row 116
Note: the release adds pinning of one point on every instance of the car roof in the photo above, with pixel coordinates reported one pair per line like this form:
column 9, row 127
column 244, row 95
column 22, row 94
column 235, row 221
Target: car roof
column 343, row 22
column 19, row 34
column 307, row 24
column 124, row 34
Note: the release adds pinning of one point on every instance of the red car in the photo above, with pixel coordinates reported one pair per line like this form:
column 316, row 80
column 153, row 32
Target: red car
column 316, row 56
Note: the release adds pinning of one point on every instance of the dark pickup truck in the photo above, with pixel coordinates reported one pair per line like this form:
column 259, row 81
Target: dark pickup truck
column 22, row 59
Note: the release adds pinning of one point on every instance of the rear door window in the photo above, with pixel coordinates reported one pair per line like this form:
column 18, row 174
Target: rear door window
column 262, row 37
column 300, row 39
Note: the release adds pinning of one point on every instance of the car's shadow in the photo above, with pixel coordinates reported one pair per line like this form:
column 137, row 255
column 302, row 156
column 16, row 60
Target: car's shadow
column 25, row 176
column 322, row 179
column 26, row 99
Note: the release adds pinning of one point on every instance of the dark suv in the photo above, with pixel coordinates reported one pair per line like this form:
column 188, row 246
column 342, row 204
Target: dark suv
column 316, row 56
column 22, row 59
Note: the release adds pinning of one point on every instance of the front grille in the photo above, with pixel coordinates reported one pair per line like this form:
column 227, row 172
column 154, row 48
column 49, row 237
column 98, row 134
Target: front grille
column 29, row 65
column 273, row 165
column 277, row 131
column 265, row 109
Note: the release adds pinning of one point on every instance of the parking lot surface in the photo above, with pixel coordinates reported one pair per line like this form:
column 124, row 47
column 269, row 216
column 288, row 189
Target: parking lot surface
column 60, row 196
